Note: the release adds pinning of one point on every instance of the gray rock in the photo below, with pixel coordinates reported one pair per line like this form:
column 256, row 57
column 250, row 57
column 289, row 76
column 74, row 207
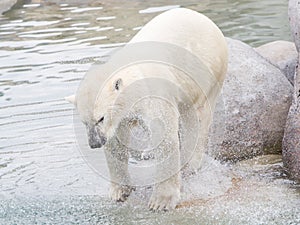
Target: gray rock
column 294, row 18
column 5, row 5
column 282, row 54
column 291, row 140
column 251, row 112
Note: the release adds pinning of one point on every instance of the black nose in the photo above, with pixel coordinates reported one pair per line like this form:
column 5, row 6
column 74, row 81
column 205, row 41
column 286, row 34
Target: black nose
column 95, row 145
column 97, row 142
column 95, row 139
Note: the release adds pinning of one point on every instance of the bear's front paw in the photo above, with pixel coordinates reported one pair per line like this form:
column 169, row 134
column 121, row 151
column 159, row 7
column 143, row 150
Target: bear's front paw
column 120, row 192
column 164, row 199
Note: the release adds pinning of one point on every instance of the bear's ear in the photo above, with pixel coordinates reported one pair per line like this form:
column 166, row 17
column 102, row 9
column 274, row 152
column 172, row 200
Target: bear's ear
column 118, row 84
column 71, row 99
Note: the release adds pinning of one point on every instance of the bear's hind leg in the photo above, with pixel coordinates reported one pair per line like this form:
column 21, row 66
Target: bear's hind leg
column 205, row 115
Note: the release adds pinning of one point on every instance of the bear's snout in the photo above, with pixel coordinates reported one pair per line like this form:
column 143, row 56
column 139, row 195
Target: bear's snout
column 95, row 140
column 96, row 144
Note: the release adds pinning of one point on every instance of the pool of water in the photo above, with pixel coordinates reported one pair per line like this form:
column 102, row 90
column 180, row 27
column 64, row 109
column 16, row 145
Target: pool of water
column 45, row 50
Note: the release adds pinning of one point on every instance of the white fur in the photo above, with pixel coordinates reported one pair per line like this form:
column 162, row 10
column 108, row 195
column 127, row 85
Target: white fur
column 192, row 31
column 184, row 28
column 71, row 99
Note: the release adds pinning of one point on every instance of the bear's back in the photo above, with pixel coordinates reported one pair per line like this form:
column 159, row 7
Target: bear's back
column 192, row 31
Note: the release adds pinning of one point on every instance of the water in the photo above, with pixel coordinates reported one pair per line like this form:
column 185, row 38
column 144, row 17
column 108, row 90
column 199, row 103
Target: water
column 45, row 50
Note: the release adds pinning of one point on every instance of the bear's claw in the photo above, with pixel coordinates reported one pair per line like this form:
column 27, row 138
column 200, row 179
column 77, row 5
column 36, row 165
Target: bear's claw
column 164, row 201
column 120, row 193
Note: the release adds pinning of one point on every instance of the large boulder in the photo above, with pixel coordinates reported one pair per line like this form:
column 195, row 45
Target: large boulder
column 251, row 112
column 291, row 140
column 282, row 54
column 5, row 5
column 294, row 18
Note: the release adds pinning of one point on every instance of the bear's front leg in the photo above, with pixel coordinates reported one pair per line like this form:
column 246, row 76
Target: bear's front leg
column 117, row 161
column 166, row 193
column 119, row 192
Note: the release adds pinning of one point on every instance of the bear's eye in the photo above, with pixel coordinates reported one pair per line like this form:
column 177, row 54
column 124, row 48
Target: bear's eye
column 100, row 120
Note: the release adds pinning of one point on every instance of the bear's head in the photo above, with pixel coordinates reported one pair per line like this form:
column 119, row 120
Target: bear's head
column 117, row 105
column 108, row 108
column 98, row 108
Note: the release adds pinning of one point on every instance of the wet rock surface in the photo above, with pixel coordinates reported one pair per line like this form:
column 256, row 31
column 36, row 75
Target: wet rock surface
column 291, row 141
column 294, row 18
column 253, row 191
column 282, row 54
column 251, row 112
column 5, row 5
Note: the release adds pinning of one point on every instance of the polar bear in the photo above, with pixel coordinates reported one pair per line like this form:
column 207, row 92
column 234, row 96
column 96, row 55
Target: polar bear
column 115, row 110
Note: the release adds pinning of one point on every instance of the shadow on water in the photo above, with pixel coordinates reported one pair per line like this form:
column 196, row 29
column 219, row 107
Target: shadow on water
column 45, row 50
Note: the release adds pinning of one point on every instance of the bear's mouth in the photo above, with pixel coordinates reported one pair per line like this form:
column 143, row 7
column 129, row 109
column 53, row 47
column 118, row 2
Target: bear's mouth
column 95, row 139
